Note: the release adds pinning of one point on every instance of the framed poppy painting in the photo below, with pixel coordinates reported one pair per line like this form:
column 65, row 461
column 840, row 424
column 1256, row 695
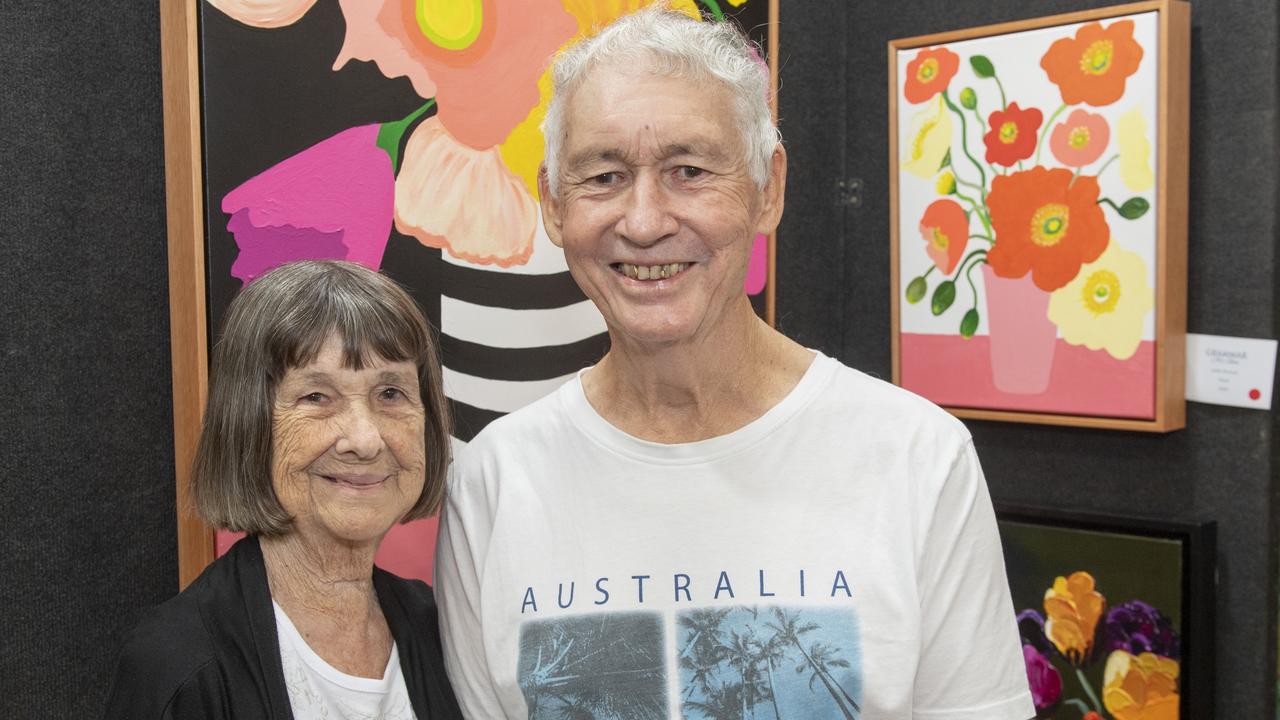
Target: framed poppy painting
column 1038, row 217
column 402, row 135
column 1115, row 614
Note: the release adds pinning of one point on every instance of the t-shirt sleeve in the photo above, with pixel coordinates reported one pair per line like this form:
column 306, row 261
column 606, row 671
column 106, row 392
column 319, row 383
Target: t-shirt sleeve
column 458, row 566
column 971, row 665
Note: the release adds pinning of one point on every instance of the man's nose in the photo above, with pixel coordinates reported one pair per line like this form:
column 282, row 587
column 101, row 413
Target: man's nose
column 648, row 217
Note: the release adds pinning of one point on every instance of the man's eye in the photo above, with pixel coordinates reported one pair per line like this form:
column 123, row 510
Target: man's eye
column 609, row 178
column 689, row 172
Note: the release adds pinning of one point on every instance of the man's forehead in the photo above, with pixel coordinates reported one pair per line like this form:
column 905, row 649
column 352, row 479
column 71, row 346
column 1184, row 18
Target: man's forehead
column 623, row 149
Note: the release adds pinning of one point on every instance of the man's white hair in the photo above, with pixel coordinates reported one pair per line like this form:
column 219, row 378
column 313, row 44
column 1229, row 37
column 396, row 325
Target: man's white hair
column 670, row 44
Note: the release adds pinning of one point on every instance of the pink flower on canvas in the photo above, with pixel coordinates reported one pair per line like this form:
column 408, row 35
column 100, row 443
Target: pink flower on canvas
column 333, row 200
column 1080, row 139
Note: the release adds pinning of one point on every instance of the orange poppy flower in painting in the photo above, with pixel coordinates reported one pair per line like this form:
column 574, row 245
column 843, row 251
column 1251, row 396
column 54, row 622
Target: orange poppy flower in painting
column 929, row 73
column 1047, row 223
column 945, row 230
column 1012, row 134
column 1081, row 139
column 1093, row 66
column 1072, row 608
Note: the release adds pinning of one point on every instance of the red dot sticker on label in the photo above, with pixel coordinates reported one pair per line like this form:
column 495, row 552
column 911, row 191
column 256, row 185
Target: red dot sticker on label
column 1255, row 394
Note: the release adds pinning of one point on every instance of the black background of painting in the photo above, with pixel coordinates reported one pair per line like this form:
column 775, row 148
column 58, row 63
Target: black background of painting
column 87, row 531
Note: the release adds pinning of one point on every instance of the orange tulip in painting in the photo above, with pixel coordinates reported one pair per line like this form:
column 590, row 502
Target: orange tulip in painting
column 1072, row 608
column 929, row 73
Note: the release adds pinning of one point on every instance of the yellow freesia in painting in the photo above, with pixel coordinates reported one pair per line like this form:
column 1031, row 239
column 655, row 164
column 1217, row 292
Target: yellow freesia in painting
column 928, row 139
column 1143, row 687
column 1135, row 151
column 1105, row 305
column 1072, row 608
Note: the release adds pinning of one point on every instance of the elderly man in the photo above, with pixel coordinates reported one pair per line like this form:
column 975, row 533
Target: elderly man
column 713, row 521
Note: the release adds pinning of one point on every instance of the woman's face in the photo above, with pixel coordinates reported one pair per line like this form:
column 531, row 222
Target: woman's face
column 348, row 455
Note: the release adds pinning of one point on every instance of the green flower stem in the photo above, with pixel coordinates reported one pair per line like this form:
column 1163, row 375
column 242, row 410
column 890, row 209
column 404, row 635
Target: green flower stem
column 976, row 253
column 1088, row 690
column 1109, row 202
column 931, row 269
column 1004, row 104
column 968, row 275
column 1045, row 130
column 714, row 7
column 982, row 237
column 1079, row 705
column 1107, row 164
column 964, row 143
column 390, row 133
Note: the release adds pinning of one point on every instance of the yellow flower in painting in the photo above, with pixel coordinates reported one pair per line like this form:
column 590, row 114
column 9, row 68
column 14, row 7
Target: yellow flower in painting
column 1144, row 687
column 523, row 149
column 946, row 183
column 1072, row 608
column 928, row 140
column 1105, row 305
column 1135, row 151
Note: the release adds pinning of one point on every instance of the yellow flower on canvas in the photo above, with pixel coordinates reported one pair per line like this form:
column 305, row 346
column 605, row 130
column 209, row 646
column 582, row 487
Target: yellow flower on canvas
column 1105, row 305
column 1135, row 151
column 1072, row 608
column 1142, row 687
column 928, row 139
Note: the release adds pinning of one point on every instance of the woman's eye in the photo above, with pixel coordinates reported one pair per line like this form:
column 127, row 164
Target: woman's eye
column 314, row 397
column 391, row 393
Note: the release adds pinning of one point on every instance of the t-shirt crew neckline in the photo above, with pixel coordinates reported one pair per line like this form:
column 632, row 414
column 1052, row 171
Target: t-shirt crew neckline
column 612, row 438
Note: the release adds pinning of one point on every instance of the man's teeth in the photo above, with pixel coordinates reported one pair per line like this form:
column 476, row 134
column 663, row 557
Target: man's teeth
column 652, row 272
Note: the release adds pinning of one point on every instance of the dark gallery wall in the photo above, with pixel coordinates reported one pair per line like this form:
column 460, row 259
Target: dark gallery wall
column 86, row 499
column 833, row 286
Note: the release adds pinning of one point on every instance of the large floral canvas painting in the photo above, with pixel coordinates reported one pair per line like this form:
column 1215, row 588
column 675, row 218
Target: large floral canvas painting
column 1114, row 615
column 1031, row 226
column 405, row 135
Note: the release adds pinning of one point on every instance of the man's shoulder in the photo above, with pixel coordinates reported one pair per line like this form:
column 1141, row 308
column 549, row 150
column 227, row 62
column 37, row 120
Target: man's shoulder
column 865, row 398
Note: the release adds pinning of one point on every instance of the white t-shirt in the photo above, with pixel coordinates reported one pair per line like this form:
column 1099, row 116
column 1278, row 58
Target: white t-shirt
column 318, row 690
column 835, row 558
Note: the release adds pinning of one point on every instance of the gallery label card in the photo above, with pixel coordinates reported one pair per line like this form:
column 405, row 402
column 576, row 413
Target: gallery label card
column 1230, row 370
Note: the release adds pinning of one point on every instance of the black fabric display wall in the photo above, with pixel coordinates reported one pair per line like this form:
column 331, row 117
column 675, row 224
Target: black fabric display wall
column 86, row 495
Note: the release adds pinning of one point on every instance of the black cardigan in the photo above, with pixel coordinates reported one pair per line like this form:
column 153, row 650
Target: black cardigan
column 212, row 652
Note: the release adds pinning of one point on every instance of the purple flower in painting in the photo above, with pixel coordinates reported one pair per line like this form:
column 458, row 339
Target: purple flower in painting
column 1044, row 679
column 1031, row 629
column 333, row 200
column 1137, row 627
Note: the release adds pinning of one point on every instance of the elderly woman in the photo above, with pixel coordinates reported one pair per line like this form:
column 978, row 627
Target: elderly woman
column 325, row 426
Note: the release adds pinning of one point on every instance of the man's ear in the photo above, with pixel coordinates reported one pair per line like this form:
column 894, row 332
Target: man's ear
column 773, row 195
column 551, row 219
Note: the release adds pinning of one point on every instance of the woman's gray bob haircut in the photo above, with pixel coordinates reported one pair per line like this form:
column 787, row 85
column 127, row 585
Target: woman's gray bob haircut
column 672, row 44
column 281, row 321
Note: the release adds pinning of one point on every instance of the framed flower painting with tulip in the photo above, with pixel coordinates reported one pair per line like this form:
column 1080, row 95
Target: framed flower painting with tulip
column 1115, row 615
column 1038, row 217
column 401, row 134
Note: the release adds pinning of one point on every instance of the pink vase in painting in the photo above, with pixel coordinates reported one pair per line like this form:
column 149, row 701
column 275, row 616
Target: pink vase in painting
column 1022, row 337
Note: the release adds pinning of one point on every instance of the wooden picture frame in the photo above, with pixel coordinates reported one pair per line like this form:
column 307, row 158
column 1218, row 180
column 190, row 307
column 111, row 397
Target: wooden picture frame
column 1111, row 370
column 1156, row 580
column 212, row 105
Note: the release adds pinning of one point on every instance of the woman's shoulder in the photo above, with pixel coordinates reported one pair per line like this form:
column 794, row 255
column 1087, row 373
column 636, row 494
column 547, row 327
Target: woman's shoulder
column 413, row 595
column 167, row 651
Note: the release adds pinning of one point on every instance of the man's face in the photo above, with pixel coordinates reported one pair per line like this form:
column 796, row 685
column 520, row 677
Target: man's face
column 657, row 210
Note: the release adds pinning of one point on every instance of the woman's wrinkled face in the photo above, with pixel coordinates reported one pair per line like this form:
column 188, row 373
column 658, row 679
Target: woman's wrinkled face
column 348, row 454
